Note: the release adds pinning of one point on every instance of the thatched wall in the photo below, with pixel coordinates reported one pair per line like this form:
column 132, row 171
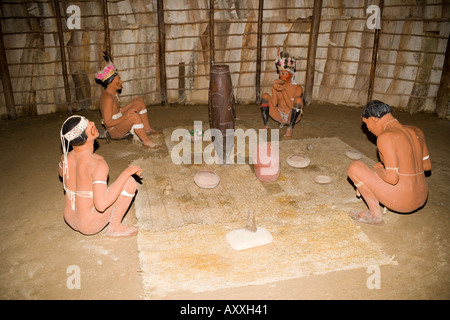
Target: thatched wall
column 411, row 50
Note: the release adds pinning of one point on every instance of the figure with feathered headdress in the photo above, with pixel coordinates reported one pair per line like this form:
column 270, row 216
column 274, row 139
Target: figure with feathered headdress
column 285, row 105
column 119, row 121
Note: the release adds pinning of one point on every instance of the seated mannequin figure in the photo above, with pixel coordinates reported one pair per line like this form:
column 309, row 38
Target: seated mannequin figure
column 398, row 180
column 90, row 204
column 286, row 103
column 117, row 120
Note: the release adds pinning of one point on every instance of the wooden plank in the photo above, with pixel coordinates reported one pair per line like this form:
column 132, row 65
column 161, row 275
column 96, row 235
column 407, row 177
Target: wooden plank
column 106, row 21
column 211, row 33
column 259, row 51
column 162, row 52
column 63, row 56
column 443, row 96
column 374, row 57
column 181, row 82
column 310, row 66
column 6, row 80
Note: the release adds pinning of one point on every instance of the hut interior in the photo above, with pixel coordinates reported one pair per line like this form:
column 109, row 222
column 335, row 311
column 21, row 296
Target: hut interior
column 347, row 53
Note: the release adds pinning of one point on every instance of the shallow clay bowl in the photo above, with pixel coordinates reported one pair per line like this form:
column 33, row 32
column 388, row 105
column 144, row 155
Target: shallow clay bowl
column 298, row 161
column 206, row 179
column 353, row 154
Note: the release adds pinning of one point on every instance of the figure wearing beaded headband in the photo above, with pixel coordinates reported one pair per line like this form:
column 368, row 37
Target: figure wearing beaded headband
column 285, row 105
column 90, row 204
column 118, row 120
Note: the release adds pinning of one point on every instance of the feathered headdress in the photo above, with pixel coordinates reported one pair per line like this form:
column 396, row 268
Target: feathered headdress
column 107, row 71
column 284, row 63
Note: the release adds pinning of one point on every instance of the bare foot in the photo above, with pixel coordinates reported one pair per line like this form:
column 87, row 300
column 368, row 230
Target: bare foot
column 121, row 231
column 366, row 217
column 152, row 132
column 288, row 134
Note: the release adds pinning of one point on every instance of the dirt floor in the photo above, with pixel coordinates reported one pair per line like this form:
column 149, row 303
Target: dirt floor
column 37, row 248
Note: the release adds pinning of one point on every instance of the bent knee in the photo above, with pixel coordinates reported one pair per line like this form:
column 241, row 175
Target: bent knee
column 355, row 168
column 138, row 105
column 130, row 185
column 135, row 118
column 266, row 97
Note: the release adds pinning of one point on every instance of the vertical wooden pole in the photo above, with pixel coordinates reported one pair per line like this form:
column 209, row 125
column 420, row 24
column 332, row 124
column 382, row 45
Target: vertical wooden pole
column 373, row 65
column 443, row 95
column 6, row 80
column 211, row 34
column 312, row 48
column 259, row 51
column 106, row 21
column 162, row 52
column 211, row 57
column 63, row 56
column 181, row 81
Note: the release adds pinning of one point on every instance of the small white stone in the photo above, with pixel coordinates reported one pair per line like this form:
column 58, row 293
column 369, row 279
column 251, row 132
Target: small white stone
column 241, row 239
column 322, row 179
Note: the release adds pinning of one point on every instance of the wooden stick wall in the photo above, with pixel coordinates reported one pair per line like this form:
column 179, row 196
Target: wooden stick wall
column 52, row 68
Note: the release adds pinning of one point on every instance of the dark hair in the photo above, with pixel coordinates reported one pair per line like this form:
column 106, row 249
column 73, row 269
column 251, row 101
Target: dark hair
column 69, row 125
column 376, row 108
column 105, row 83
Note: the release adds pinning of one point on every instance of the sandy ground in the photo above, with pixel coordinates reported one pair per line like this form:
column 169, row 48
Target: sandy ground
column 37, row 248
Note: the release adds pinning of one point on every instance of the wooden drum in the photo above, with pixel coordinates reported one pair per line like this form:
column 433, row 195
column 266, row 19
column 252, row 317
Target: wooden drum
column 222, row 112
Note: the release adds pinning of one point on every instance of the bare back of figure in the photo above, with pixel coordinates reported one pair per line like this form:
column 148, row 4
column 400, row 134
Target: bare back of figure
column 398, row 180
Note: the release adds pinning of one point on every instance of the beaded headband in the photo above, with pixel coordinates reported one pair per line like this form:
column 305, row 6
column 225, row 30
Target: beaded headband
column 69, row 136
column 77, row 130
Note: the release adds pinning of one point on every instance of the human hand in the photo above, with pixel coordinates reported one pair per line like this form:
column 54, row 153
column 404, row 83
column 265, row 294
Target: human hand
column 126, row 114
column 378, row 166
column 135, row 169
column 278, row 84
column 129, row 113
